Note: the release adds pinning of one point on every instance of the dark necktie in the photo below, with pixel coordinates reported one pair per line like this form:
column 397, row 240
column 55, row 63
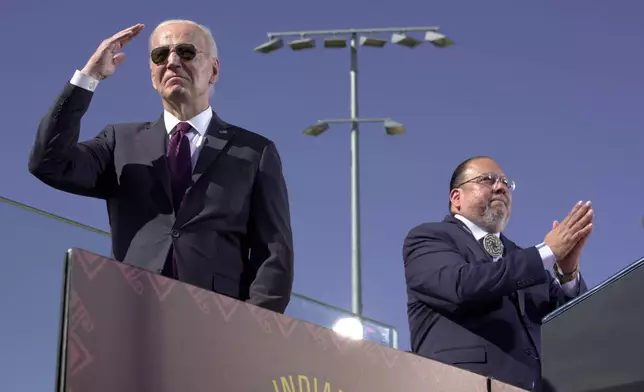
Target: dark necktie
column 180, row 163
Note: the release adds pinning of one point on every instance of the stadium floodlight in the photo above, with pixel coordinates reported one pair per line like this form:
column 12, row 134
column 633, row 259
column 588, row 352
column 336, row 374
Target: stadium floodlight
column 374, row 42
column 316, row 129
column 335, row 42
column 404, row 40
column 438, row 40
column 393, row 128
column 303, row 43
column 270, row 46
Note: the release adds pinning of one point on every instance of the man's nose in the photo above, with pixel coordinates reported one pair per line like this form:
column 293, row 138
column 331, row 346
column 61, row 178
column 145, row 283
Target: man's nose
column 174, row 59
column 500, row 187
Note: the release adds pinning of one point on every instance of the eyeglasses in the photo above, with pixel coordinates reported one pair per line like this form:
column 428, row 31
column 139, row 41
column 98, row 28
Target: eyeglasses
column 490, row 179
column 186, row 52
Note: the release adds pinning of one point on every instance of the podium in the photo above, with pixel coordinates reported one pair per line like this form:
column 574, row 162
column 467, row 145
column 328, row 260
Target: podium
column 596, row 342
column 128, row 330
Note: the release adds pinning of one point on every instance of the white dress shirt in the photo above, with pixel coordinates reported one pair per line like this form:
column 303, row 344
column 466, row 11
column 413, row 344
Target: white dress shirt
column 196, row 136
column 547, row 257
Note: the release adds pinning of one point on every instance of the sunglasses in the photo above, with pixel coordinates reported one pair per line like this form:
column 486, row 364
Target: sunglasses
column 186, row 52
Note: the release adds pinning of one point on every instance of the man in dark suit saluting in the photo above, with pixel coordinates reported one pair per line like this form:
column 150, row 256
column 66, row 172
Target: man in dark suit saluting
column 188, row 195
column 475, row 299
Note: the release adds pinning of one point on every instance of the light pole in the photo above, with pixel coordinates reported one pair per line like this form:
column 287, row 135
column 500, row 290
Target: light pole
column 338, row 39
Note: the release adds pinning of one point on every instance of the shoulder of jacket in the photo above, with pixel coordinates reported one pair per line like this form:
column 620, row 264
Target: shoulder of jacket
column 250, row 137
column 433, row 227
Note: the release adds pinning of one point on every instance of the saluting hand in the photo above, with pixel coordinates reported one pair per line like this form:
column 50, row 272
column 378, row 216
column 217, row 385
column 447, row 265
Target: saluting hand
column 104, row 61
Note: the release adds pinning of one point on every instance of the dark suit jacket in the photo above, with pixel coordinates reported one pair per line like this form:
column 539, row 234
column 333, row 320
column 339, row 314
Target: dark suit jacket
column 232, row 233
column 466, row 310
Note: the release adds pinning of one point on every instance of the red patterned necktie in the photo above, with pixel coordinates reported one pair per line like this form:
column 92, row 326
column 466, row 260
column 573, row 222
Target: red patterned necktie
column 180, row 163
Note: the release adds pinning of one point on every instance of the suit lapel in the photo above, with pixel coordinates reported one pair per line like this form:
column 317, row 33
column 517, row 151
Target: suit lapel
column 155, row 141
column 217, row 137
column 471, row 243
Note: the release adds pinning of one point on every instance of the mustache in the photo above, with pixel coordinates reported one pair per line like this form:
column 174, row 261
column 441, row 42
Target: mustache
column 500, row 198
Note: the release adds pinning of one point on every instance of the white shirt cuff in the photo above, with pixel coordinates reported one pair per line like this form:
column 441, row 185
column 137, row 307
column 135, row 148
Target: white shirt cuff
column 83, row 81
column 547, row 256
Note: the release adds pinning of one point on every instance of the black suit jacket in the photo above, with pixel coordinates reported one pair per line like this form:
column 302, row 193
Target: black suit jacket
column 232, row 233
column 466, row 310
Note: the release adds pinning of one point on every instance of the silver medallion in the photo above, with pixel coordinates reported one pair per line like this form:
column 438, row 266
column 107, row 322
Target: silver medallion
column 493, row 245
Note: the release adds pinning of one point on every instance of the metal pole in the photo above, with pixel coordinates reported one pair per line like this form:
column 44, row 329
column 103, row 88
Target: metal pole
column 356, row 286
column 408, row 29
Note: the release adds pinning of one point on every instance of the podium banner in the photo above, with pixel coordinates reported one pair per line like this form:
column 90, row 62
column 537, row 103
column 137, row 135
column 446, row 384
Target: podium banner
column 128, row 330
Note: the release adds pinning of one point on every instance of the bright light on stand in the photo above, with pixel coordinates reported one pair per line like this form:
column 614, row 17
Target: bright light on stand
column 349, row 327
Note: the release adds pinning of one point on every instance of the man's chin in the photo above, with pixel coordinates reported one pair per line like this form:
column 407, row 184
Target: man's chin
column 500, row 207
column 175, row 92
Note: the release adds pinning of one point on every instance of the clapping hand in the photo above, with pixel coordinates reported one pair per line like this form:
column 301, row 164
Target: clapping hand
column 569, row 263
column 104, row 61
column 566, row 239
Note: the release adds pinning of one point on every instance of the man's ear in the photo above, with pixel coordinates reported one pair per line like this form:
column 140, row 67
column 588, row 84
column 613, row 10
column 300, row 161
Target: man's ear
column 455, row 198
column 215, row 72
column 154, row 83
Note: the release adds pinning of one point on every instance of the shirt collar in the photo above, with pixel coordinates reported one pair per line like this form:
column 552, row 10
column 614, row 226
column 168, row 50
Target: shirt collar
column 200, row 122
column 477, row 232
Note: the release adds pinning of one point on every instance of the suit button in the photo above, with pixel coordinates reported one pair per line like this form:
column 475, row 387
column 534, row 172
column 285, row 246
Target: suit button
column 529, row 352
column 174, row 233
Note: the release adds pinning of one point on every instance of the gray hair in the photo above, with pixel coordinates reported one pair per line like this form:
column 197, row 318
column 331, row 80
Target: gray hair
column 211, row 40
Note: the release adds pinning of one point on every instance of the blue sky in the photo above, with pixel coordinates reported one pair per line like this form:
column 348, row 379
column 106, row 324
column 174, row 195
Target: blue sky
column 552, row 90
